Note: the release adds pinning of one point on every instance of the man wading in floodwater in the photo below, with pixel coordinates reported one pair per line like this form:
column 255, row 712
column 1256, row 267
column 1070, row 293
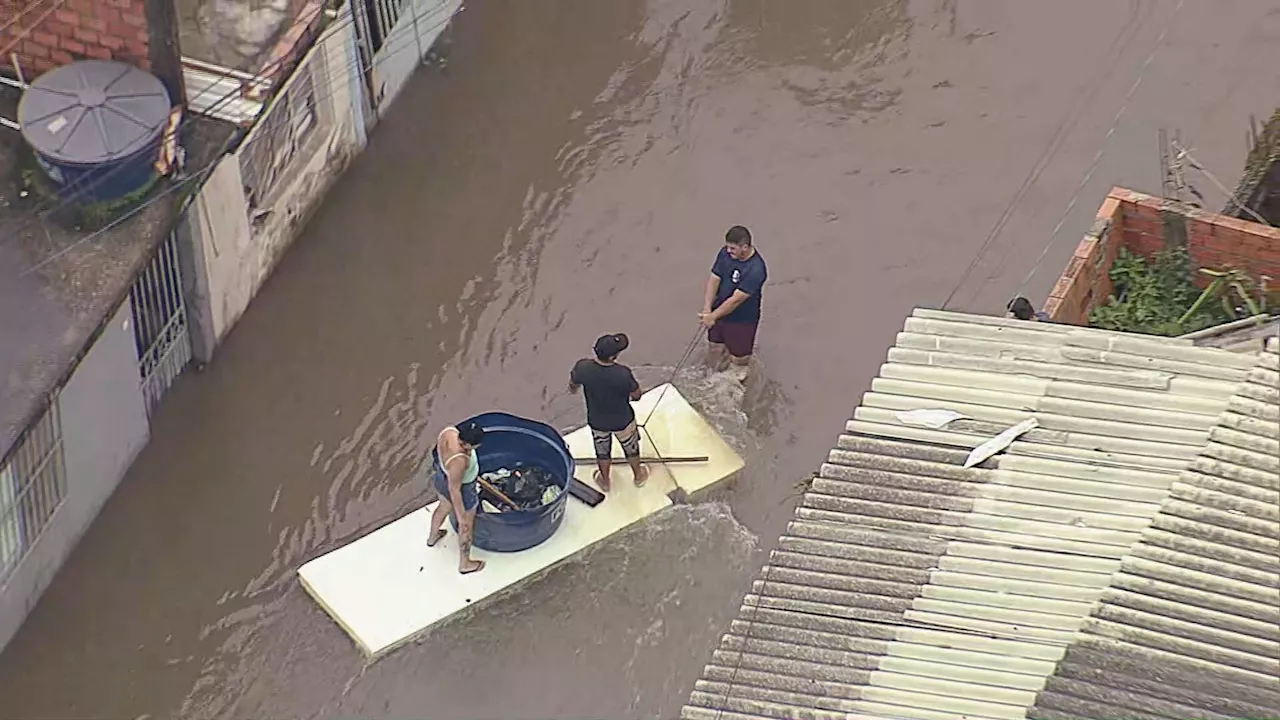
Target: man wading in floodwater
column 609, row 389
column 731, row 307
column 454, row 474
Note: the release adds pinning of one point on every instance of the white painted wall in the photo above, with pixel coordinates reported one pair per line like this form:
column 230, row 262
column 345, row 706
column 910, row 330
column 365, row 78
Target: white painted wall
column 416, row 30
column 104, row 426
column 233, row 253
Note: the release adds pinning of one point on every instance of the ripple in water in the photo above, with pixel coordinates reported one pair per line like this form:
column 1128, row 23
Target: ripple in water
column 635, row 603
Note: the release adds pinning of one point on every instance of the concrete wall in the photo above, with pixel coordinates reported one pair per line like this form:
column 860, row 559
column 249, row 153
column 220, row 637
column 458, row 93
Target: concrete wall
column 1144, row 224
column 229, row 246
column 104, row 426
column 416, row 30
column 235, row 244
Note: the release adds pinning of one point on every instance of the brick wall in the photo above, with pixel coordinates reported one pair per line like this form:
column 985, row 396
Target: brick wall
column 1085, row 280
column 54, row 34
column 303, row 28
column 1144, row 224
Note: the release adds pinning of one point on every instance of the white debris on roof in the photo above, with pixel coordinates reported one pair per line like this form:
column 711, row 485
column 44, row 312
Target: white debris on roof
column 908, row 586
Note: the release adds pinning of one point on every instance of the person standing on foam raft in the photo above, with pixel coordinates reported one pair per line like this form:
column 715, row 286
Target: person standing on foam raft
column 455, row 470
column 610, row 387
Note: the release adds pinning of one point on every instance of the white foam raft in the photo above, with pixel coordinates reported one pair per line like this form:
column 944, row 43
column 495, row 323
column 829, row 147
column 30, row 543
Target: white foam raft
column 388, row 587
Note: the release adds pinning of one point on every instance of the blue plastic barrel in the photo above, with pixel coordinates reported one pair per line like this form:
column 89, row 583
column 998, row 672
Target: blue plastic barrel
column 510, row 441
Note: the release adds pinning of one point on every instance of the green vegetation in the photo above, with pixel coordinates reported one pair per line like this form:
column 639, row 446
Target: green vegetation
column 1235, row 293
column 1160, row 298
column 1152, row 298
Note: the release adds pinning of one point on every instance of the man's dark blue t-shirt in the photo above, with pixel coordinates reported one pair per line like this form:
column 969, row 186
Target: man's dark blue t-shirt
column 745, row 275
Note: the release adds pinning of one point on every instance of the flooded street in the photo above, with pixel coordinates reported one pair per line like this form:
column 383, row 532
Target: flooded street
column 572, row 172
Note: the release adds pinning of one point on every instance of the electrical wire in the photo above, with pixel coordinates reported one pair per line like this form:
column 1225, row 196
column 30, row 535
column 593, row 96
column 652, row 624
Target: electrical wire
column 342, row 80
column 202, row 172
column 641, row 427
column 1051, row 149
column 385, row 53
column 178, row 185
column 1097, row 159
column 1231, row 196
column 80, row 191
column 23, row 33
column 746, row 637
column 688, row 353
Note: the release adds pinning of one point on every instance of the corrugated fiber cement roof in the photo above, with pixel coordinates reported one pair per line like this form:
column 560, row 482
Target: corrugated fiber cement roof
column 1080, row 573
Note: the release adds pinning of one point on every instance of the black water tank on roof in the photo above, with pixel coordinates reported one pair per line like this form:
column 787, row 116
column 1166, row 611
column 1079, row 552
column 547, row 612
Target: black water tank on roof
column 96, row 127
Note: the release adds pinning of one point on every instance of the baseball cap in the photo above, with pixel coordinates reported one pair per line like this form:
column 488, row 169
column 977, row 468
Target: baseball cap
column 608, row 346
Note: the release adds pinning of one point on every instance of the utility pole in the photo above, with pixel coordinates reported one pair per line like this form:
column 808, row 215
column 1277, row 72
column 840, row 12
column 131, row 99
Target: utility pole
column 164, row 49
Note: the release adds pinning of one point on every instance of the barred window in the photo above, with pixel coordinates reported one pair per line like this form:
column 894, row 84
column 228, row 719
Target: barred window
column 281, row 134
column 33, row 484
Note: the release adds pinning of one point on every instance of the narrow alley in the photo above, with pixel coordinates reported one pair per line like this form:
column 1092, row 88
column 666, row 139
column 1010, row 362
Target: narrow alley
column 522, row 200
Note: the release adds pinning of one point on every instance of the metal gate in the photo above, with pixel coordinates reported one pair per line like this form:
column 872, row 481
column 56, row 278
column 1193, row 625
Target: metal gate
column 33, row 484
column 393, row 38
column 160, row 322
column 381, row 16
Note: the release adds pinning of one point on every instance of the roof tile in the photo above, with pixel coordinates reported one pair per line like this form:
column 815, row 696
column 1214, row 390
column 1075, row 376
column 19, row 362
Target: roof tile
column 910, row 586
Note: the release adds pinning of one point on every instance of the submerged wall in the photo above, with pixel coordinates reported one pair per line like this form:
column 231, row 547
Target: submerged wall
column 257, row 200
column 101, row 426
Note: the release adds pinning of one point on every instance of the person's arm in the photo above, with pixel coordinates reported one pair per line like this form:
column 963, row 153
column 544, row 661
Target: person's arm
column 737, row 298
column 635, row 387
column 453, row 469
column 574, row 385
column 748, row 285
column 454, row 475
column 709, row 297
column 713, row 283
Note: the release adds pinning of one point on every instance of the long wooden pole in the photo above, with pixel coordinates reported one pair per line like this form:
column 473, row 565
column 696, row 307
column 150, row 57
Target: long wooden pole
column 497, row 493
column 654, row 460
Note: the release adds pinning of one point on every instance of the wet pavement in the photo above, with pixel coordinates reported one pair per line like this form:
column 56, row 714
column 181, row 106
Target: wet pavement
column 571, row 173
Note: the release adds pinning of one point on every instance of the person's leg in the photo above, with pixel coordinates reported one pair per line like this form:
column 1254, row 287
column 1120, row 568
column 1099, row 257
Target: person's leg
column 442, row 511
column 716, row 357
column 740, row 342
column 602, row 441
column 466, row 530
column 629, row 439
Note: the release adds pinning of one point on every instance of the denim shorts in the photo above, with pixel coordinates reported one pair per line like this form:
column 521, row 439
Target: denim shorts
column 470, row 496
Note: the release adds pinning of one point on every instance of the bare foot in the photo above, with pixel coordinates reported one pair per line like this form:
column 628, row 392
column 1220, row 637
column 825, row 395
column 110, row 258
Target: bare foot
column 473, row 566
column 602, row 482
column 643, row 476
column 431, row 542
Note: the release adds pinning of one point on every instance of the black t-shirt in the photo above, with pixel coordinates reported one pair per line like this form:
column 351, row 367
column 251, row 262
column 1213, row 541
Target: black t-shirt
column 608, row 391
column 746, row 275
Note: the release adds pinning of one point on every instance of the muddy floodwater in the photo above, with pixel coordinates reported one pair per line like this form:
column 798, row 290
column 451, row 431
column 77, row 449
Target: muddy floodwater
column 569, row 173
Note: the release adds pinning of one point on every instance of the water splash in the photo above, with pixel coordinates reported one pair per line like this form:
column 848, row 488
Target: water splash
column 661, row 560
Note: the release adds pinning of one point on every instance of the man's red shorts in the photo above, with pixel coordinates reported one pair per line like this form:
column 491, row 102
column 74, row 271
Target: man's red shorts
column 739, row 339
